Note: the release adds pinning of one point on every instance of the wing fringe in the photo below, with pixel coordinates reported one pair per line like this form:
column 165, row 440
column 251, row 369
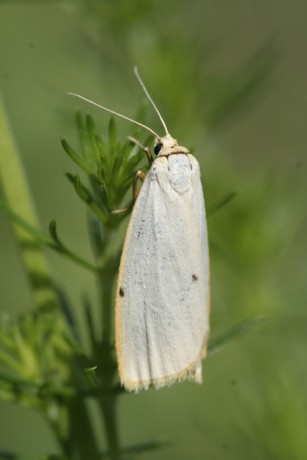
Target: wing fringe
column 192, row 373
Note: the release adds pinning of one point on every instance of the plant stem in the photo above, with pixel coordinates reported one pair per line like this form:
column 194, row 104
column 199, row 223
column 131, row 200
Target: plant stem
column 107, row 311
column 73, row 429
column 108, row 407
column 81, row 431
column 71, row 424
column 108, row 403
column 16, row 190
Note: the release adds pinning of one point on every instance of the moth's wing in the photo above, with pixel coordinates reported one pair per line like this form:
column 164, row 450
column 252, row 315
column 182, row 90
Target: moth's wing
column 162, row 293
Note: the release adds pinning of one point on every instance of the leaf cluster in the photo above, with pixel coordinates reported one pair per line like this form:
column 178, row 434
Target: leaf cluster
column 44, row 363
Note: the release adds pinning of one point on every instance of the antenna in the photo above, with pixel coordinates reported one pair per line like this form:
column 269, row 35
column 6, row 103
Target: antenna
column 136, row 72
column 119, row 114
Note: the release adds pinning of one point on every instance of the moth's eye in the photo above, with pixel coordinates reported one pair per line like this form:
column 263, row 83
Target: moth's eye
column 157, row 148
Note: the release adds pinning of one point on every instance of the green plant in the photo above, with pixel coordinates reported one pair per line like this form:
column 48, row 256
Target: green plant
column 44, row 365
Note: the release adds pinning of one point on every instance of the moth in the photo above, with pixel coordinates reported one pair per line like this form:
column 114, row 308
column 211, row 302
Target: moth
column 162, row 296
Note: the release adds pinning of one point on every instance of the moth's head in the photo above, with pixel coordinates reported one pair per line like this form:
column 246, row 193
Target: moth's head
column 163, row 143
column 167, row 145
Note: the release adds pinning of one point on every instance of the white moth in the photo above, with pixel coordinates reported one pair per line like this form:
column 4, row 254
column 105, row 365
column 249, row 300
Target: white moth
column 162, row 299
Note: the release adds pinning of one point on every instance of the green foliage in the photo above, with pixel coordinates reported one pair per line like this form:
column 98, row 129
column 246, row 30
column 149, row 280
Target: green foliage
column 40, row 351
column 206, row 64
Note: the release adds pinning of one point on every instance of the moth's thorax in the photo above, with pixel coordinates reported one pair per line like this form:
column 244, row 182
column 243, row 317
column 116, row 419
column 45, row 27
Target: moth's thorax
column 167, row 145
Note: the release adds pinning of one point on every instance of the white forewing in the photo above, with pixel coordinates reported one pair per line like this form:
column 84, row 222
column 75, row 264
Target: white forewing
column 162, row 304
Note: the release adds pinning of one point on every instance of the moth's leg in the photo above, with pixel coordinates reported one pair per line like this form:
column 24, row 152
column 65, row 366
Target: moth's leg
column 146, row 149
column 138, row 175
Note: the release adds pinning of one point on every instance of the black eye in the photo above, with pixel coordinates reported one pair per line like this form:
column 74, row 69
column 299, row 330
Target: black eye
column 157, row 148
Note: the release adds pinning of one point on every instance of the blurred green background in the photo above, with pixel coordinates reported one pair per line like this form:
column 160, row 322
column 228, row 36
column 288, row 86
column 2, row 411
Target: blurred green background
column 230, row 80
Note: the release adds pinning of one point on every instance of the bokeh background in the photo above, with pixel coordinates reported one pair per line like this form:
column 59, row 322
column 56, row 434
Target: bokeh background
column 229, row 77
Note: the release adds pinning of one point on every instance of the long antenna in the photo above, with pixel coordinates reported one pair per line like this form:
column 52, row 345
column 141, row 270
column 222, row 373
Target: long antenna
column 118, row 114
column 135, row 69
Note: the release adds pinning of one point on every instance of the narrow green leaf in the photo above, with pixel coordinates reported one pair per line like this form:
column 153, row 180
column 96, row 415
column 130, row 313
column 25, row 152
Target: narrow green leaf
column 117, row 163
column 220, row 203
column 146, row 446
column 36, row 388
column 219, row 343
column 6, row 455
column 138, row 449
column 104, row 189
column 87, row 197
column 112, row 138
column 90, row 124
column 17, row 381
column 54, row 234
column 92, row 134
column 7, row 360
column 84, row 137
column 84, row 165
column 54, row 243
column 103, row 156
column 91, row 376
column 97, row 235
column 59, row 246
column 82, row 191
column 7, row 339
column 37, row 234
column 72, row 341
column 90, row 321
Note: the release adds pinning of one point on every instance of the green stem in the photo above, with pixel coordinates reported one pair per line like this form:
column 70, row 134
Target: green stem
column 57, row 419
column 108, row 407
column 107, row 310
column 71, row 425
column 16, row 190
column 81, row 431
column 73, row 430
column 108, row 402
